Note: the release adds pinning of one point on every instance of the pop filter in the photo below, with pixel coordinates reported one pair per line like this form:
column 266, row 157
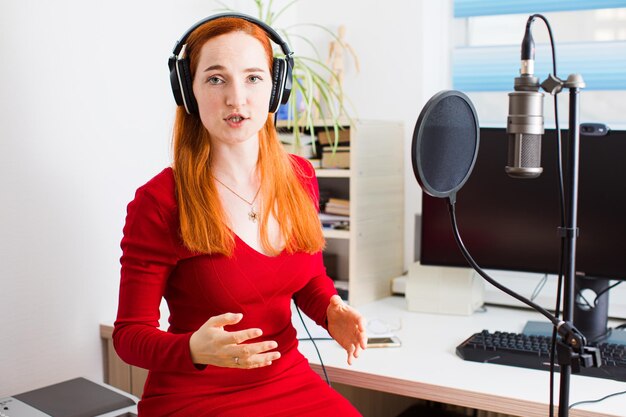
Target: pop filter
column 445, row 144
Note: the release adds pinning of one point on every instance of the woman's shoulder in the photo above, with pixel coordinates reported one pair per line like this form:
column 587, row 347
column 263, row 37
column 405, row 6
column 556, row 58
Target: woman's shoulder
column 306, row 174
column 161, row 188
column 303, row 166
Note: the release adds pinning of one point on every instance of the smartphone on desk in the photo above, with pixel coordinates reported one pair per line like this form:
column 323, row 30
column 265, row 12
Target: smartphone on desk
column 386, row 341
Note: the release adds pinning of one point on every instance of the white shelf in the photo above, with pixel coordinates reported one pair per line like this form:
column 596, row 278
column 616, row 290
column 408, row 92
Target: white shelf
column 333, row 173
column 336, row 234
column 371, row 253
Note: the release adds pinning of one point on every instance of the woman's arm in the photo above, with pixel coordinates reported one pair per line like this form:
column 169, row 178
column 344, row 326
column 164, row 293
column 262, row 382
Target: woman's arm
column 148, row 256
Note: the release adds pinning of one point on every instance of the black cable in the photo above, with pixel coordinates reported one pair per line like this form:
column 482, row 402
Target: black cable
column 597, row 400
column 561, row 187
column 314, row 344
column 610, row 287
column 302, row 339
column 539, row 287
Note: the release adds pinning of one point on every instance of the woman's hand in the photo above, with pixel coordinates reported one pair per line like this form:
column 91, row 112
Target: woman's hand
column 347, row 327
column 212, row 345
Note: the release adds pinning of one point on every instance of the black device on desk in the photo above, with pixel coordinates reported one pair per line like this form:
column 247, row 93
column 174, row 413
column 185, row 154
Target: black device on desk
column 77, row 397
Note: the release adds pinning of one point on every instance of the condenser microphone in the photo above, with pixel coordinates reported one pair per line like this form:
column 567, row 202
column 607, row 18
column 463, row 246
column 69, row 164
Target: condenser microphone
column 525, row 120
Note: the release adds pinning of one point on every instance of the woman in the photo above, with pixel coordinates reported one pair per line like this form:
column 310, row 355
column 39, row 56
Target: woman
column 229, row 236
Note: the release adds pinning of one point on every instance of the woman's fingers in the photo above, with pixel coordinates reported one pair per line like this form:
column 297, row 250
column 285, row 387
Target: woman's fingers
column 212, row 344
column 226, row 319
column 255, row 355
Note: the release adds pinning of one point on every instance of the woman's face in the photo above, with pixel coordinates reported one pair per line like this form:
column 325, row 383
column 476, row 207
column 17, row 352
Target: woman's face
column 232, row 86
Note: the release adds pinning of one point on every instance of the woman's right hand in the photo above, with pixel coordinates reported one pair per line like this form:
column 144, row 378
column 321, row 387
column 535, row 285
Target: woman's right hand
column 212, row 345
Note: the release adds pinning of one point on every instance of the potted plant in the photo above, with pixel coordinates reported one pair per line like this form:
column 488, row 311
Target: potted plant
column 317, row 93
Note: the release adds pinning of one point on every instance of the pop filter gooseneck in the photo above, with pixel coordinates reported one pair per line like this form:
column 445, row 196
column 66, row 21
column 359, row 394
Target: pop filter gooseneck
column 444, row 150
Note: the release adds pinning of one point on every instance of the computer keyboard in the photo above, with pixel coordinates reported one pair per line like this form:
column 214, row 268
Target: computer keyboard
column 529, row 351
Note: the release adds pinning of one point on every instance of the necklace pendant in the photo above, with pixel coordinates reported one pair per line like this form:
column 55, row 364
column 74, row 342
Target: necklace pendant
column 253, row 215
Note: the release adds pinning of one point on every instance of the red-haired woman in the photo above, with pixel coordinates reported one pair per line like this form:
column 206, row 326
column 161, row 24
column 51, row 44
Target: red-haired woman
column 228, row 236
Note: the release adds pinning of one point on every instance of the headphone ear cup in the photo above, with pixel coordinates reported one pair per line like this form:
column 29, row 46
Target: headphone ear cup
column 278, row 80
column 186, row 86
column 174, row 81
column 287, row 82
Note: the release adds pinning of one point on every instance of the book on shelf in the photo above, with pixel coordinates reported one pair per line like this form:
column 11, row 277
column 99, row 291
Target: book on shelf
column 344, row 202
column 335, row 221
column 327, row 137
column 337, row 210
column 336, row 158
column 333, row 209
column 337, row 206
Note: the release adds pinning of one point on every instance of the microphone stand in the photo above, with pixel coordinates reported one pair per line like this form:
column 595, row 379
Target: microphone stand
column 572, row 351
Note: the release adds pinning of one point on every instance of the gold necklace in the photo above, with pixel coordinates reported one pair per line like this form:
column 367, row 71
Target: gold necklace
column 253, row 215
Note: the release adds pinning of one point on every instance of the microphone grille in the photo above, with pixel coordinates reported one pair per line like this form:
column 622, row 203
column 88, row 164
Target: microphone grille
column 525, row 150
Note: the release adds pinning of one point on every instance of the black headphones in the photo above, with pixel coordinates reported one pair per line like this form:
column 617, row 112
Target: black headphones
column 180, row 73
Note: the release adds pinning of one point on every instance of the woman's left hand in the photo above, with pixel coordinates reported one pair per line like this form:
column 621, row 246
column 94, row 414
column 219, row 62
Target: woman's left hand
column 347, row 327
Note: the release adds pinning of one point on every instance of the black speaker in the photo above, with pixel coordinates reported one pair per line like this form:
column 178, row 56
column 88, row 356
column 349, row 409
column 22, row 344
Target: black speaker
column 180, row 72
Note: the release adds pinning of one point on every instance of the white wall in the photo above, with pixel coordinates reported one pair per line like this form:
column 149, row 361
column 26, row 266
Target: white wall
column 85, row 118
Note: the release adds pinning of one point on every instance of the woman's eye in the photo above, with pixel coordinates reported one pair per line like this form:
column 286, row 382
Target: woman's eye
column 214, row 80
column 254, row 79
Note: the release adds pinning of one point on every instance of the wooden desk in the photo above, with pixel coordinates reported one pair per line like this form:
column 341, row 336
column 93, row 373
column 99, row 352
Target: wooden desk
column 427, row 367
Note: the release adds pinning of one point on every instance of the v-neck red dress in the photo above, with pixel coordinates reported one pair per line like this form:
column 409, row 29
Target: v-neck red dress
column 156, row 265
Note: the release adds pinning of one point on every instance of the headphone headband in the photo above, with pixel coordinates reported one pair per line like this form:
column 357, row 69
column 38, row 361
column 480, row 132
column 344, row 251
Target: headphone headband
column 273, row 35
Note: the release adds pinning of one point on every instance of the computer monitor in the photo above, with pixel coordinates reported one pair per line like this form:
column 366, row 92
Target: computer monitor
column 511, row 224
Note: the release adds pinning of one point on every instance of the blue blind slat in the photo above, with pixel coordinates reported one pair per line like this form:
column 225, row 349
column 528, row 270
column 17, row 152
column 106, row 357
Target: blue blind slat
column 470, row 8
column 602, row 65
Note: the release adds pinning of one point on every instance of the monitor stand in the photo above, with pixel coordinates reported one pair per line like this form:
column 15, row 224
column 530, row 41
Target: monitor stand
column 591, row 312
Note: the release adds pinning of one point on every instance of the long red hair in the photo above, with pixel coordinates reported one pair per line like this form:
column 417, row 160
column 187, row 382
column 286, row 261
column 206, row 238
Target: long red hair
column 203, row 221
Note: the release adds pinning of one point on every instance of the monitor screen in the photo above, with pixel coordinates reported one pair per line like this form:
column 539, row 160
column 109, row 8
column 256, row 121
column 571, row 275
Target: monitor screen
column 512, row 224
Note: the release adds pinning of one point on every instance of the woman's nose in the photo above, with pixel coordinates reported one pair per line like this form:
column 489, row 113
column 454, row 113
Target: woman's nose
column 236, row 94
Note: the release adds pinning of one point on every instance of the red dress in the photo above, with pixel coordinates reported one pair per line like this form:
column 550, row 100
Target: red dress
column 155, row 264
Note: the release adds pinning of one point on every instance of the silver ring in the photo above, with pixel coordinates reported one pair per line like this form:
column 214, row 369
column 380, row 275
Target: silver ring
column 236, row 360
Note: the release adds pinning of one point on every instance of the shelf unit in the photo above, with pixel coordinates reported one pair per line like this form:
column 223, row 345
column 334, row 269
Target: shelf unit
column 371, row 253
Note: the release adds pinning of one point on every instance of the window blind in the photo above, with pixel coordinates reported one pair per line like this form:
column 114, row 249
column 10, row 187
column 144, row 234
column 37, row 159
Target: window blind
column 469, row 8
column 492, row 68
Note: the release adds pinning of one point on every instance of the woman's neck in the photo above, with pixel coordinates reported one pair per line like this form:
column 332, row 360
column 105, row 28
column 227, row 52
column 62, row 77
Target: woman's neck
column 235, row 163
